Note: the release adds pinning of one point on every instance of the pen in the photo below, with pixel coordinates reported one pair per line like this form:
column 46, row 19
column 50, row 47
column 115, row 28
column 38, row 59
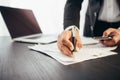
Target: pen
column 104, row 38
column 74, row 38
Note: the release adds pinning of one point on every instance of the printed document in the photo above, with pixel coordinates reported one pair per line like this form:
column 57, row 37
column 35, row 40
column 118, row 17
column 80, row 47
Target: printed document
column 87, row 52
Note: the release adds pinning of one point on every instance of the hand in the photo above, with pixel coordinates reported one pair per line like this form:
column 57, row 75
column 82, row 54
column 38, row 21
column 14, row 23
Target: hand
column 115, row 34
column 65, row 42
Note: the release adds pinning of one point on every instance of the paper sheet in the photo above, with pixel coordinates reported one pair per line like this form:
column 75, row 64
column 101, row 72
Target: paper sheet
column 88, row 40
column 87, row 52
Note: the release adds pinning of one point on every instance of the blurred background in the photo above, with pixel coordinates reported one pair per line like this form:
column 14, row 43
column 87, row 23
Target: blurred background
column 49, row 14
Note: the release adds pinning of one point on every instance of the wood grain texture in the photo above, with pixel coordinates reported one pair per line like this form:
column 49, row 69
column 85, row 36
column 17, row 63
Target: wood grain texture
column 17, row 62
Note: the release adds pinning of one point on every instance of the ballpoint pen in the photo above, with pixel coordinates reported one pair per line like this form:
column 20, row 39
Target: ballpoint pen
column 104, row 38
column 74, row 38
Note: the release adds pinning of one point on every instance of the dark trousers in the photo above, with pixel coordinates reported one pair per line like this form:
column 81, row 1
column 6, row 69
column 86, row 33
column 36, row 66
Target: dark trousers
column 101, row 26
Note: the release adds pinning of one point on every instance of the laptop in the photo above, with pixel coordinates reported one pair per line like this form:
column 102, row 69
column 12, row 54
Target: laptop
column 22, row 26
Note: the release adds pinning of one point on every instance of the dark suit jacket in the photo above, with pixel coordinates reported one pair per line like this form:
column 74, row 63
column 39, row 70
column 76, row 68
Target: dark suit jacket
column 72, row 11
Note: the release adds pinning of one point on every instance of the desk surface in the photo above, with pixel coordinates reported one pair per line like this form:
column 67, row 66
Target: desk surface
column 17, row 62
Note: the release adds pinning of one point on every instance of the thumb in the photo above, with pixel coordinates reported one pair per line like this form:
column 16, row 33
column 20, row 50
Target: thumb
column 78, row 44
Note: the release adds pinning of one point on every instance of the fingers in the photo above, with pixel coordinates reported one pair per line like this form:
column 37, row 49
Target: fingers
column 64, row 49
column 115, row 33
column 108, row 32
column 68, row 44
column 78, row 43
column 108, row 43
column 65, row 39
column 65, row 42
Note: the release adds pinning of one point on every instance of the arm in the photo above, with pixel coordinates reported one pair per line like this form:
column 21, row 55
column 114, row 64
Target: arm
column 72, row 13
column 71, row 17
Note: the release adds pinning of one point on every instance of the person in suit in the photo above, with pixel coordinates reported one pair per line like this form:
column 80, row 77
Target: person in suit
column 102, row 19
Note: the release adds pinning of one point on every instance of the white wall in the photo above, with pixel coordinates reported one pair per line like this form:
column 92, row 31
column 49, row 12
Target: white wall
column 49, row 14
column 3, row 29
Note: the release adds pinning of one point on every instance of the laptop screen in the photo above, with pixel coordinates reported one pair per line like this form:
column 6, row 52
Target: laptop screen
column 20, row 22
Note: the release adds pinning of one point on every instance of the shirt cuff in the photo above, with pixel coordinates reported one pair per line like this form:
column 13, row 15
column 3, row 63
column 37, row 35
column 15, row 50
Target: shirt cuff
column 70, row 27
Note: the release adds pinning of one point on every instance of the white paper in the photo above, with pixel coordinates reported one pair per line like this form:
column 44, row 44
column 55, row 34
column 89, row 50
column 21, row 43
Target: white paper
column 87, row 52
column 88, row 40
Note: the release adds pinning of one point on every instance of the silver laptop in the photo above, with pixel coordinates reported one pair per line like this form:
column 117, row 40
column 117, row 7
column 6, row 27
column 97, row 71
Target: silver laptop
column 22, row 26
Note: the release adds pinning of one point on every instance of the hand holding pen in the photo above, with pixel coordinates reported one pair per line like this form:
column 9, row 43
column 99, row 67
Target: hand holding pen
column 67, row 43
column 112, row 37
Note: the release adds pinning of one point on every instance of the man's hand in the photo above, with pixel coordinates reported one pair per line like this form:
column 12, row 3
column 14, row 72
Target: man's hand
column 65, row 42
column 115, row 34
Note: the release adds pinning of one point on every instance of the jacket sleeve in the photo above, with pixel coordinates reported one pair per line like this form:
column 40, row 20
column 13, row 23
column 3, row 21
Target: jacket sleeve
column 72, row 13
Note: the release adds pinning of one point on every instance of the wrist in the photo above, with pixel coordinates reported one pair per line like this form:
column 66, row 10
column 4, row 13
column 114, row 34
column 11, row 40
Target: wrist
column 70, row 28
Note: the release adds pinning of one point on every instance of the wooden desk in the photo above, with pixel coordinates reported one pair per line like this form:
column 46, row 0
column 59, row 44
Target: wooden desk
column 17, row 62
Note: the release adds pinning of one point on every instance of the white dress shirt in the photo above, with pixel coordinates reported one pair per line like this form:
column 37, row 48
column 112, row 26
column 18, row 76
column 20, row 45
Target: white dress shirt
column 110, row 11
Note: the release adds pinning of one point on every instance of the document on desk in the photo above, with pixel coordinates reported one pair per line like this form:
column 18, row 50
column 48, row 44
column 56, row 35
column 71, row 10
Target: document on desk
column 87, row 52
